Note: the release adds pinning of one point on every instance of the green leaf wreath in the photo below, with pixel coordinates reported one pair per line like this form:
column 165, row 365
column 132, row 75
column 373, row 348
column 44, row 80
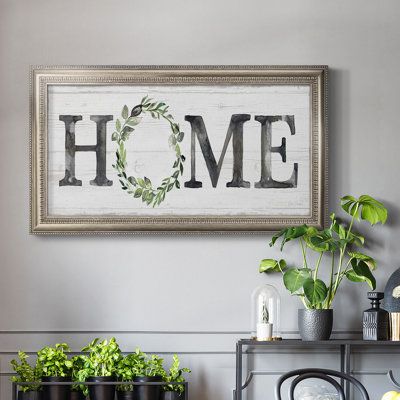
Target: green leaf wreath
column 143, row 187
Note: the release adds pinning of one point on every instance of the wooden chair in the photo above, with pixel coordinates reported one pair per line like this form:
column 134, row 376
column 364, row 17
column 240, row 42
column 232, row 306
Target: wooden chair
column 323, row 374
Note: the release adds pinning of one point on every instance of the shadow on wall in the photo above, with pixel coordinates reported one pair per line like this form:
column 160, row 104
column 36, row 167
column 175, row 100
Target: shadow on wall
column 200, row 390
column 393, row 249
column 393, row 213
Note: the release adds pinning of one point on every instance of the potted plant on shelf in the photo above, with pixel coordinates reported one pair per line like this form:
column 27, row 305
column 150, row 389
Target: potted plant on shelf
column 148, row 369
column 26, row 373
column 78, row 392
column 55, row 367
column 335, row 244
column 175, row 374
column 99, row 366
column 125, row 372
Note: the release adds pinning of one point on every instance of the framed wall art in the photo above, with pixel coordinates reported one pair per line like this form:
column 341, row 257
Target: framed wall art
column 118, row 149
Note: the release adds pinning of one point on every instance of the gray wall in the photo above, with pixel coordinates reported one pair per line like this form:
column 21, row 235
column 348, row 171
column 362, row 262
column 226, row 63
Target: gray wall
column 191, row 294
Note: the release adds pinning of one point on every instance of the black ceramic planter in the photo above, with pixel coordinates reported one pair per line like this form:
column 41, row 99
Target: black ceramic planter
column 171, row 395
column 56, row 392
column 30, row 395
column 76, row 395
column 315, row 324
column 101, row 392
column 148, row 392
column 126, row 395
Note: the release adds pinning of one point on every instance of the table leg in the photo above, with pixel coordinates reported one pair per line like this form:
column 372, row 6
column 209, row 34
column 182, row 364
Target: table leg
column 342, row 356
column 347, row 369
column 238, row 371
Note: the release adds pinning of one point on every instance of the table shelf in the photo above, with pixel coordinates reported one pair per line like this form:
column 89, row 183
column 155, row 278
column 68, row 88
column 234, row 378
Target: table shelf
column 344, row 346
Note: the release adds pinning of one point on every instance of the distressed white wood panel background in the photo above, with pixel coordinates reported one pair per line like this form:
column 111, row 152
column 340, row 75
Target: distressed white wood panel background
column 148, row 153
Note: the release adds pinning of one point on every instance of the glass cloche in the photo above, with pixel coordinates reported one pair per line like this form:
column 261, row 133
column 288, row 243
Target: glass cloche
column 265, row 313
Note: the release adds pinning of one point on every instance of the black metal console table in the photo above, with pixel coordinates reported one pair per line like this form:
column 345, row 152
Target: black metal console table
column 344, row 346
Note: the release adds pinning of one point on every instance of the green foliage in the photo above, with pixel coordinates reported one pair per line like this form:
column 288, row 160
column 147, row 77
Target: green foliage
column 148, row 365
column 315, row 291
column 142, row 187
column 175, row 374
column 332, row 242
column 294, row 278
column 78, row 363
column 138, row 364
column 102, row 359
column 270, row 265
column 25, row 372
column 53, row 361
column 289, row 234
column 365, row 207
column 126, row 367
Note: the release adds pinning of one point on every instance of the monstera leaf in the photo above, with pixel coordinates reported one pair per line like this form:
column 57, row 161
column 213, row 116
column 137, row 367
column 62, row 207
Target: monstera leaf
column 361, row 273
column 344, row 234
column 324, row 240
column 366, row 207
column 364, row 257
column 315, row 291
column 271, row 265
column 291, row 233
column 294, row 278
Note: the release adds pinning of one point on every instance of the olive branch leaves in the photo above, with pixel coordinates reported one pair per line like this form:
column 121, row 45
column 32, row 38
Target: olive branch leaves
column 142, row 187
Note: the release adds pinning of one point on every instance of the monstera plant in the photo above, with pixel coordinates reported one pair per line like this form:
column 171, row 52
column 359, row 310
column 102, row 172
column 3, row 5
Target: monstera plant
column 337, row 249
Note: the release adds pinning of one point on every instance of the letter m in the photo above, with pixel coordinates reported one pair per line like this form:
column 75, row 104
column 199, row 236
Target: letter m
column 235, row 130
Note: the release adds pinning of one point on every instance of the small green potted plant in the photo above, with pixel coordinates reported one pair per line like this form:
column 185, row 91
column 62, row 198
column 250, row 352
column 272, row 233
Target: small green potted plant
column 78, row 392
column 55, row 367
column 336, row 244
column 125, row 371
column 148, row 369
column 175, row 374
column 100, row 366
column 26, row 373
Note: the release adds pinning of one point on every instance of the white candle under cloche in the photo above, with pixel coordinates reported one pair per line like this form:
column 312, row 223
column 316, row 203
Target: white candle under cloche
column 264, row 331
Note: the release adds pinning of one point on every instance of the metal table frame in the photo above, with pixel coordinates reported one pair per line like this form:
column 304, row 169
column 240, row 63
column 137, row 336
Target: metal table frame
column 15, row 385
column 344, row 346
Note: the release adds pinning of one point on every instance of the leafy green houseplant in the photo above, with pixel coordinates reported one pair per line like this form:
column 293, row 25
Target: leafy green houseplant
column 125, row 371
column 78, row 391
column 148, row 369
column 102, row 358
column 149, row 366
column 99, row 365
column 55, row 367
column 54, row 361
column 26, row 373
column 336, row 244
column 175, row 374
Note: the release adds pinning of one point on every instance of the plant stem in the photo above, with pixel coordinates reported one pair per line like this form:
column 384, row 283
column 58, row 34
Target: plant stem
column 328, row 298
column 342, row 252
column 280, row 269
column 317, row 266
column 344, row 272
column 303, row 250
column 338, row 270
column 304, row 301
